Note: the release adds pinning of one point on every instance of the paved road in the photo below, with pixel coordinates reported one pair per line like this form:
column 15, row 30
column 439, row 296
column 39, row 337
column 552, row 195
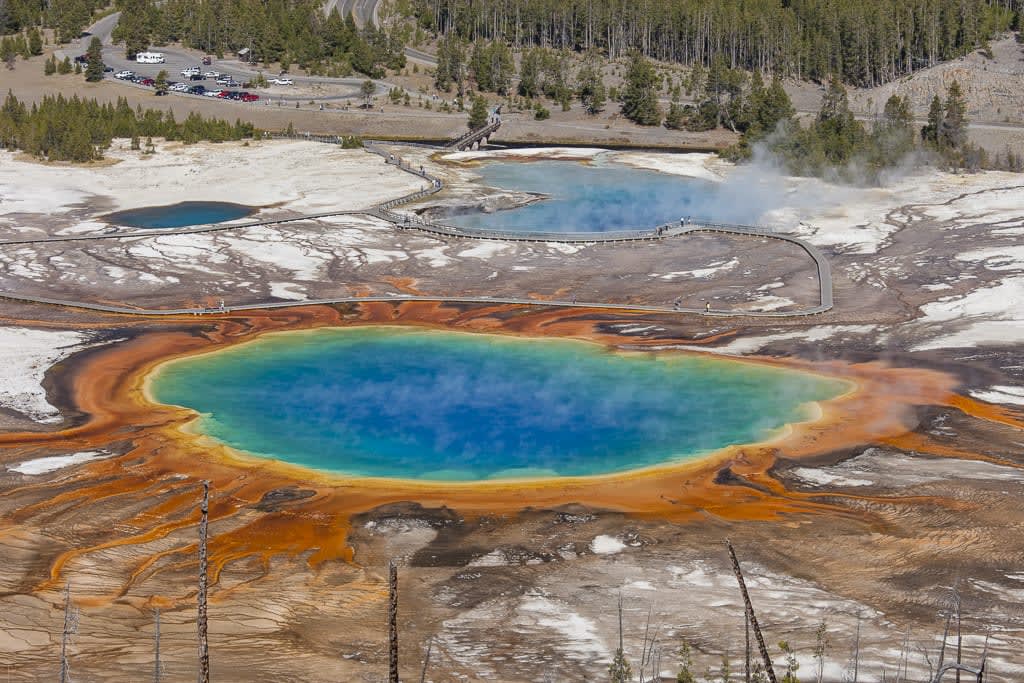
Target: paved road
column 399, row 221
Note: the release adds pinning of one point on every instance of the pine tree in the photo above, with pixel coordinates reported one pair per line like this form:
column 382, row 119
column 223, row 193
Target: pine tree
column 529, row 74
column 936, row 114
column 65, row 67
column 792, row 666
column 35, row 41
column 478, row 113
column 640, row 99
column 685, row 674
column 674, row 117
column 953, row 130
column 893, row 136
column 50, row 66
column 591, row 86
column 94, row 61
column 619, row 671
column 367, row 89
column 838, row 132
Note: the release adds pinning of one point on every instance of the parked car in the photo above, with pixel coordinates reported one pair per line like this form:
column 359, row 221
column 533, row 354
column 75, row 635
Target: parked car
column 197, row 90
column 125, row 75
column 192, row 70
column 149, row 82
column 231, row 83
column 82, row 59
column 249, row 97
column 195, row 77
column 180, row 87
column 108, row 69
column 212, row 93
column 282, row 81
column 212, row 74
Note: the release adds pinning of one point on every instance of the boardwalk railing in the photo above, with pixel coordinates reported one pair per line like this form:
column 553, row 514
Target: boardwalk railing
column 413, row 222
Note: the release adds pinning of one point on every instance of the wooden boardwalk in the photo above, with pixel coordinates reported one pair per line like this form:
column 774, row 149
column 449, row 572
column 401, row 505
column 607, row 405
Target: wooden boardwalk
column 407, row 222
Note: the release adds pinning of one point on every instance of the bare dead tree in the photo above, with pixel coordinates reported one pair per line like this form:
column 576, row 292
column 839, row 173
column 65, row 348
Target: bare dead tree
column 901, row 664
column 426, row 660
column 959, row 632
column 70, row 628
column 769, row 670
column 620, row 622
column 156, row 646
column 392, row 622
column 746, row 646
column 204, row 648
column 643, row 646
column 945, row 637
column 853, row 669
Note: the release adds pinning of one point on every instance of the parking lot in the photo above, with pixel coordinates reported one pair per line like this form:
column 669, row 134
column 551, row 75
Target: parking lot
column 178, row 59
column 194, row 81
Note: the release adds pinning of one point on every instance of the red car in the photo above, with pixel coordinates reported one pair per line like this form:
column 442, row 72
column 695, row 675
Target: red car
column 148, row 81
column 249, row 97
column 222, row 94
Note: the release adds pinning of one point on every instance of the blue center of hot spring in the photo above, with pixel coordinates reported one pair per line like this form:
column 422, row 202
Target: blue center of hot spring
column 390, row 402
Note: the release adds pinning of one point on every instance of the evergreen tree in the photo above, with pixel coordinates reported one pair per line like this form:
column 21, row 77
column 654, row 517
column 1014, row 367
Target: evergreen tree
column 50, row 66
column 65, row 67
column 674, row 117
column 160, row 83
column 591, row 86
column 367, row 89
column 685, row 674
column 478, row 113
column 133, row 29
column 792, row 666
column 640, row 99
column 953, row 130
column 893, row 136
column 529, row 73
column 838, row 132
column 35, row 41
column 619, row 670
column 94, row 60
column 451, row 64
column 936, row 114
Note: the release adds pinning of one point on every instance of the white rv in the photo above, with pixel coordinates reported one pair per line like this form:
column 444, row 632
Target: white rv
column 150, row 58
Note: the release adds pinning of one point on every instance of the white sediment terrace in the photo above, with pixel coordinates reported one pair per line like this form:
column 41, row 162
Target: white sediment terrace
column 305, row 177
column 56, row 462
column 27, row 354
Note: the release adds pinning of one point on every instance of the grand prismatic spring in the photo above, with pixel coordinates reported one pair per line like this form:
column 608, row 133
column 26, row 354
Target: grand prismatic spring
column 389, row 402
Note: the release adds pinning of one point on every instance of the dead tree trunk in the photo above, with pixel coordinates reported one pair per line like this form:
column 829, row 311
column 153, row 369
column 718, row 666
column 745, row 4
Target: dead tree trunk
column 945, row 637
column 156, row 646
column 959, row 636
column 856, row 651
column 392, row 622
column 750, row 613
column 746, row 633
column 70, row 627
column 204, row 648
column 426, row 661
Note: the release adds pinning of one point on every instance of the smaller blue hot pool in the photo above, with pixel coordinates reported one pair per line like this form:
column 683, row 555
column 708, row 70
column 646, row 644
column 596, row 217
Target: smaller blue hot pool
column 180, row 215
